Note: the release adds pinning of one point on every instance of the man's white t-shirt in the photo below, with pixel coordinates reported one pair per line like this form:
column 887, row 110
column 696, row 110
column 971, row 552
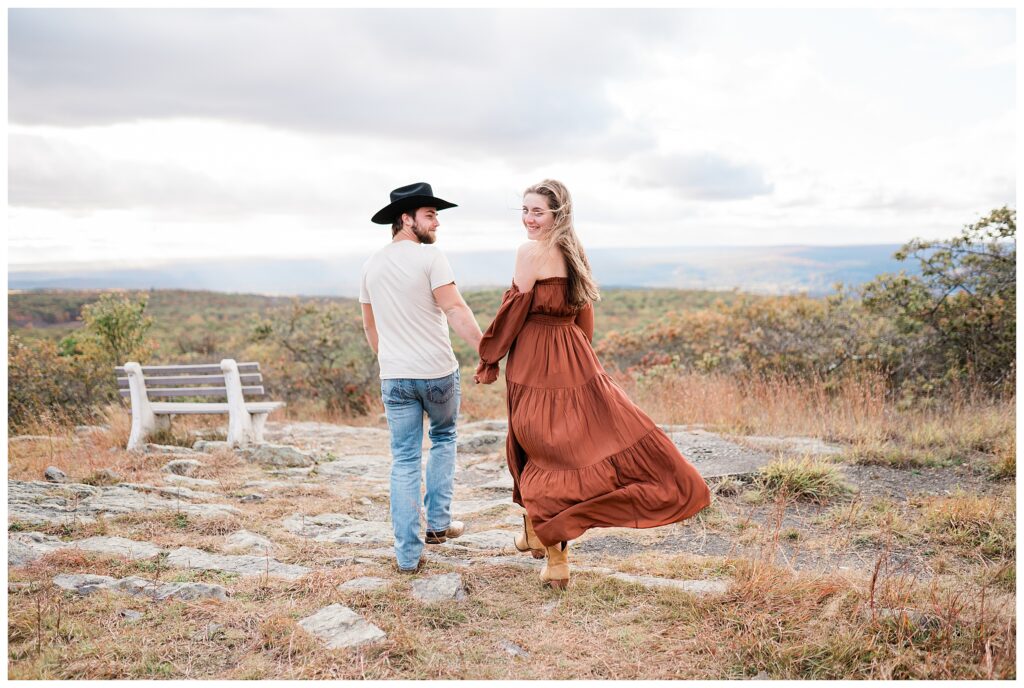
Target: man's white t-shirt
column 412, row 331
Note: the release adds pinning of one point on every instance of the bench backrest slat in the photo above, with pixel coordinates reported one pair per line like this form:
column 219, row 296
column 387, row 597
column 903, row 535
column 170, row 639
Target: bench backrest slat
column 192, row 369
column 169, row 381
column 194, row 391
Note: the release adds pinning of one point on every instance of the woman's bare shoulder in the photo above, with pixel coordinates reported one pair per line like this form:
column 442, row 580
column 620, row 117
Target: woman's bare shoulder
column 529, row 261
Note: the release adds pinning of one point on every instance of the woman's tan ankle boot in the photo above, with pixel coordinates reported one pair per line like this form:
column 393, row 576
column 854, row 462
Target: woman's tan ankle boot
column 528, row 540
column 556, row 571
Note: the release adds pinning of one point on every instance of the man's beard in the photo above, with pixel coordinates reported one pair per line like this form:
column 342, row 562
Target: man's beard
column 423, row 235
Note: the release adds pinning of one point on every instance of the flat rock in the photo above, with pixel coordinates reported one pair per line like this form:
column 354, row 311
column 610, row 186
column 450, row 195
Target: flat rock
column 168, row 449
column 265, row 485
column 210, row 445
column 339, row 562
column 485, row 426
column 177, row 591
column 174, row 492
column 339, row 627
column 300, row 472
column 714, row 456
column 694, row 587
column 42, row 502
column 129, row 615
column 443, row 588
column 55, row 475
column 366, row 583
column 246, row 542
column 486, row 539
column 242, row 564
column 358, row 466
column 323, row 431
column 253, row 497
column 182, row 466
column 480, row 442
column 25, row 547
column 797, row 445
column 475, row 506
column 278, row 455
column 513, row 649
column 340, row 528
column 194, row 482
column 503, row 483
column 86, row 584
column 131, row 549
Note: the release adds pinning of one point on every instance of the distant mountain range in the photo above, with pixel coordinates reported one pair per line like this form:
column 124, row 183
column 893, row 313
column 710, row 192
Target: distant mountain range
column 764, row 269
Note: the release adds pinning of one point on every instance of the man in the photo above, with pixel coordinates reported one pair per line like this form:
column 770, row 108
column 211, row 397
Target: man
column 409, row 299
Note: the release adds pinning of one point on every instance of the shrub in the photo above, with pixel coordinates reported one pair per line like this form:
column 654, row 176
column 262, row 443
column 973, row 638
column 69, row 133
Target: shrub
column 957, row 321
column 45, row 388
column 330, row 358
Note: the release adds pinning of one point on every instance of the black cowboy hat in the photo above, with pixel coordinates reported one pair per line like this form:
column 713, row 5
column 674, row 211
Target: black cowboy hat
column 418, row 195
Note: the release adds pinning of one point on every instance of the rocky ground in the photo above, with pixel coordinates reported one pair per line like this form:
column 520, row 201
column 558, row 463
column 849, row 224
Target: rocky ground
column 315, row 499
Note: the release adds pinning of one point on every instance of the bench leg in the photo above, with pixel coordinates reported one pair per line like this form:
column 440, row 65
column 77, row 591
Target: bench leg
column 163, row 422
column 144, row 425
column 240, row 430
column 258, row 421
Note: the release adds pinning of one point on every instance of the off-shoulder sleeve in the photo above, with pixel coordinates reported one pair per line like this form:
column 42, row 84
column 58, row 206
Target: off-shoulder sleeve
column 503, row 330
column 585, row 320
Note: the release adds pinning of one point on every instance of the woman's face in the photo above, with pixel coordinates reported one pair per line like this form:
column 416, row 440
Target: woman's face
column 537, row 215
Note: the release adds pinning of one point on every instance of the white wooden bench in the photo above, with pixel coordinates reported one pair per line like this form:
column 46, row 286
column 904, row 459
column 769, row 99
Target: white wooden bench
column 225, row 379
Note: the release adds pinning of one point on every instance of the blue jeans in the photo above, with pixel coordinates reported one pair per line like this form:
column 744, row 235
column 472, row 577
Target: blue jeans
column 405, row 400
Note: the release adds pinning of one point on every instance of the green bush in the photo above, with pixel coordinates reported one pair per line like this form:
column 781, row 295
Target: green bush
column 45, row 388
column 68, row 382
column 326, row 355
column 952, row 327
column 956, row 322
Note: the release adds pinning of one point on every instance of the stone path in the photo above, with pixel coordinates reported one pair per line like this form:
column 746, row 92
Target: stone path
column 350, row 462
column 46, row 502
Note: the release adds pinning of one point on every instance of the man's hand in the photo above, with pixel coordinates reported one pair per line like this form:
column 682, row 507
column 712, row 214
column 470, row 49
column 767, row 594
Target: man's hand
column 460, row 317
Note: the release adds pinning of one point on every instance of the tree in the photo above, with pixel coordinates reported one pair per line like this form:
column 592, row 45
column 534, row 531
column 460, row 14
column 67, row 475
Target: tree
column 333, row 362
column 959, row 315
column 115, row 330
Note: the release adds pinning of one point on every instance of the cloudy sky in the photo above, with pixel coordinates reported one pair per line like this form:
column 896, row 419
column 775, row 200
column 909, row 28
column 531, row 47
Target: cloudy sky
column 144, row 135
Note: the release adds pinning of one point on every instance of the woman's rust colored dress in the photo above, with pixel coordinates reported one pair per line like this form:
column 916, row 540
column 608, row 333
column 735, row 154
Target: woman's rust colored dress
column 581, row 454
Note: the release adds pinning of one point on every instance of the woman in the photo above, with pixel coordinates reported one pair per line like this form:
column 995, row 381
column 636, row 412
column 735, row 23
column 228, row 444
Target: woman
column 581, row 454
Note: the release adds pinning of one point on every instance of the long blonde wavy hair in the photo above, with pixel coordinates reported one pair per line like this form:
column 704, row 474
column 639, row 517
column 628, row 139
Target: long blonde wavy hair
column 582, row 287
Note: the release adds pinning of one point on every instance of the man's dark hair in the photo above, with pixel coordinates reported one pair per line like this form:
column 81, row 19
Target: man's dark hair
column 396, row 226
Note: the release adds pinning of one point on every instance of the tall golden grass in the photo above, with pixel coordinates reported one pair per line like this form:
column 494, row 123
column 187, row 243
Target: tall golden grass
column 858, row 411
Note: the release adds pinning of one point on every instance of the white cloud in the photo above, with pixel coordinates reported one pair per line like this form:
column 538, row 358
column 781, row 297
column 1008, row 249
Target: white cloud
column 162, row 133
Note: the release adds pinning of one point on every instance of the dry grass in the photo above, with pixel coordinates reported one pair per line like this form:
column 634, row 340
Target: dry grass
column 803, row 479
column 858, row 413
column 984, row 524
column 772, row 620
column 761, row 405
column 875, row 521
column 959, row 624
column 482, row 402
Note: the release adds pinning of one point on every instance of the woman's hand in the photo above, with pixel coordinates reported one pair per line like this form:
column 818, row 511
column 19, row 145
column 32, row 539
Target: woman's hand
column 485, row 374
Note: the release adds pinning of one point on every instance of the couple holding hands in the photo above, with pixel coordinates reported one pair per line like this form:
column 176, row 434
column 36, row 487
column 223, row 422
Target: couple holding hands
column 581, row 454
